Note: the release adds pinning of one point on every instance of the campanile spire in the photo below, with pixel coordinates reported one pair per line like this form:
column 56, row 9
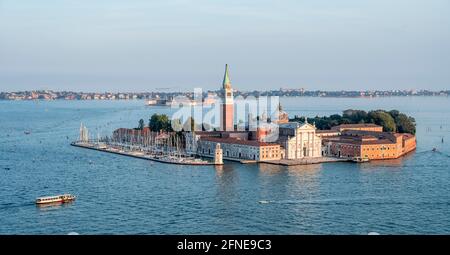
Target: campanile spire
column 227, row 111
column 226, row 79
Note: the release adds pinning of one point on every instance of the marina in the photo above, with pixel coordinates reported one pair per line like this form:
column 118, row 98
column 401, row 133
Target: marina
column 180, row 160
column 163, row 147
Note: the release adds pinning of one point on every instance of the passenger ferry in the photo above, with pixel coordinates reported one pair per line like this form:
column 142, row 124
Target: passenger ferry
column 55, row 199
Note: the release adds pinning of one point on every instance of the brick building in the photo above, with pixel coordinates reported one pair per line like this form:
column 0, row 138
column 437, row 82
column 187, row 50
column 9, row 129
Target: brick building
column 369, row 145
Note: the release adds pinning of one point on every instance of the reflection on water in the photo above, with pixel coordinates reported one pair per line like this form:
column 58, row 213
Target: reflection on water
column 398, row 162
column 305, row 169
column 218, row 168
column 227, row 180
column 298, row 182
column 270, row 169
column 377, row 164
column 304, row 181
column 53, row 206
column 225, row 173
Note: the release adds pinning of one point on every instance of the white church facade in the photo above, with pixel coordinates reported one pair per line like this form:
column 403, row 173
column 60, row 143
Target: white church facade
column 299, row 140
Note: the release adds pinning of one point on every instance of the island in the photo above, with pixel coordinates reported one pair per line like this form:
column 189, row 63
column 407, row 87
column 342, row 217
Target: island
column 355, row 136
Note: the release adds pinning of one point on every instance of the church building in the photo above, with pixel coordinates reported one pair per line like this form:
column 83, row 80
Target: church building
column 299, row 140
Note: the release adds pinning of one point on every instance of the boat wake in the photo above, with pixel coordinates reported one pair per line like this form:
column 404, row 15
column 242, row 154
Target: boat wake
column 441, row 153
column 432, row 153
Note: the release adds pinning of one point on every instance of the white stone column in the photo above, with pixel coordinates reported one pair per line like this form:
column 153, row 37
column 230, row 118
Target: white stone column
column 300, row 153
column 309, row 145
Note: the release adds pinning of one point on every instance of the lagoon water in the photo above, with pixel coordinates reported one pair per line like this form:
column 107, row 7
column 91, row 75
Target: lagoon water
column 121, row 195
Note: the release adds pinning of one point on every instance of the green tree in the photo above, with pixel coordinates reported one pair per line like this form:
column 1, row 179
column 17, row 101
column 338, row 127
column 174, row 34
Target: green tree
column 159, row 122
column 336, row 117
column 394, row 113
column 355, row 116
column 383, row 119
column 405, row 124
column 392, row 121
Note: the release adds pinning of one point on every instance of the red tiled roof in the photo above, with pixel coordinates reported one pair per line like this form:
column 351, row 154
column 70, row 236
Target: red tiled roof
column 326, row 131
column 407, row 136
column 218, row 133
column 237, row 141
column 364, row 142
column 357, row 125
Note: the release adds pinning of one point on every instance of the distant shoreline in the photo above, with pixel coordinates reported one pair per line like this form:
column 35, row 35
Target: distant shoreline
column 70, row 95
column 143, row 99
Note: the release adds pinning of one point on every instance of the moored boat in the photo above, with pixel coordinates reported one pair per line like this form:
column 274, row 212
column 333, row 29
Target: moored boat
column 55, row 199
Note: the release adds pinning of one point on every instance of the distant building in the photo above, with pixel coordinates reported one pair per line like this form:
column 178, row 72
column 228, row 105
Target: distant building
column 210, row 99
column 283, row 116
column 362, row 127
column 159, row 102
column 132, row 135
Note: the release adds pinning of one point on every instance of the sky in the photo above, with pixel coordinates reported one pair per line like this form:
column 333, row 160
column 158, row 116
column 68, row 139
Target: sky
column 176, row 45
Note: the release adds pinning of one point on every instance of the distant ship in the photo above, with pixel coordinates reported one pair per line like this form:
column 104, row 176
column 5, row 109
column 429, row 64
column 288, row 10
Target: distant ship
column 181, row 101
column 158, row 102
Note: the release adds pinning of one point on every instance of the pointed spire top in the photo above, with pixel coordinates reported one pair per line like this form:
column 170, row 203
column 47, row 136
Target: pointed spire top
column 280, row 108
column 226, row 78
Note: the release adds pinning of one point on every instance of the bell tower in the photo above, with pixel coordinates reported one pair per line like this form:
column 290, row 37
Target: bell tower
column 227, row 107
